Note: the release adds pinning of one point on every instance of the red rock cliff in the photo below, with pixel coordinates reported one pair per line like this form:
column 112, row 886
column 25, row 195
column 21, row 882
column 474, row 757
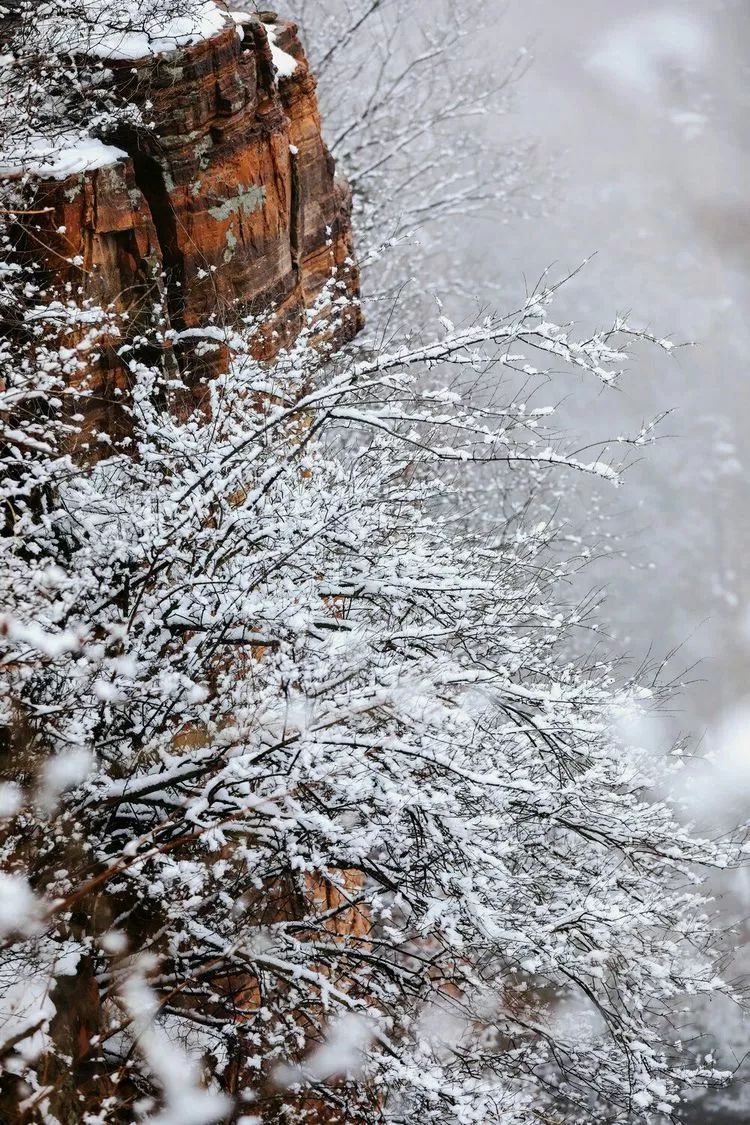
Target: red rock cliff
column 229, row 202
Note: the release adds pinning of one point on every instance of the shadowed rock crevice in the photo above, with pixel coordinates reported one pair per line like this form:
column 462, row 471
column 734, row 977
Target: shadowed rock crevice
column 150, row 180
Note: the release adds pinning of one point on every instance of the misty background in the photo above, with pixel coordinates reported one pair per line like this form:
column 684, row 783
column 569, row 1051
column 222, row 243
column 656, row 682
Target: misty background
column 632, row 122
column 640, row 115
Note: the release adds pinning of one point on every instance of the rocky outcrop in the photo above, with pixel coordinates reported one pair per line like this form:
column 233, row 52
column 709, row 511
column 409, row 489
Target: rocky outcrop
column 228, row 204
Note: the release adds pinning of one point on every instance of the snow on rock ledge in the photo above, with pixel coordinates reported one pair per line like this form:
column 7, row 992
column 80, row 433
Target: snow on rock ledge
column 57, row 158
column 284, row 63
column 132, row 29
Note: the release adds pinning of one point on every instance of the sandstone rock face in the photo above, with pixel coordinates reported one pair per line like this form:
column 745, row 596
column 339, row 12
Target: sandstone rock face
column 229, row 203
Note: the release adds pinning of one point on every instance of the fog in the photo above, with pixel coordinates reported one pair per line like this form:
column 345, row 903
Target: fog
column 641, row 118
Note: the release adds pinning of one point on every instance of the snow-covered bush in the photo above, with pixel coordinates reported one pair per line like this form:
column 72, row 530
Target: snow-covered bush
column 312, row 808
column 282, row 733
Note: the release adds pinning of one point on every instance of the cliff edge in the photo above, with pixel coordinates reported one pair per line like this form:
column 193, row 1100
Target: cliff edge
column 227, row 205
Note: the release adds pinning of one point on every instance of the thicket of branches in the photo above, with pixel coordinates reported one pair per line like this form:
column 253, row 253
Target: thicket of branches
column 310, row 811
column 410, row 137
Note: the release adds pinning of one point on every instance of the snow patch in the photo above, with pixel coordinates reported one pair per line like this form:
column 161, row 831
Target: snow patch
column 342, row 1053
column 26, row 1010
column 58, row 157
column 285, row 64
column 161, row 34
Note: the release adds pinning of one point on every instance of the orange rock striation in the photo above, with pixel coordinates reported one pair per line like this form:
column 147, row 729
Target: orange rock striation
column 229, row 203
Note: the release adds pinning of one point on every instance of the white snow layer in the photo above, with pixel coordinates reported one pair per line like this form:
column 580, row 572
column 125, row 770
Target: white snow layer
column 58, row 157
column 285, row 63
column 160, row 35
